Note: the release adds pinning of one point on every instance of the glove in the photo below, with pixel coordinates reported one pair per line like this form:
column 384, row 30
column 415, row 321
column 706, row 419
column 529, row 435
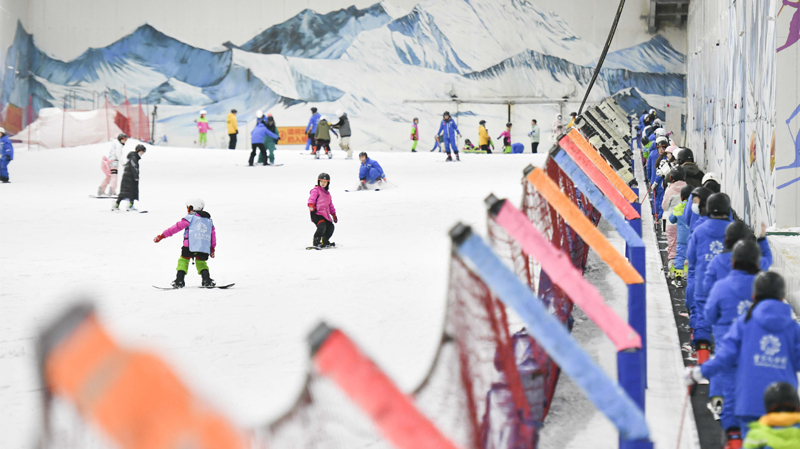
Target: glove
column 159, row 238
column 212, row 252
column 335, row 220
column 312, row 207
column 692, row 376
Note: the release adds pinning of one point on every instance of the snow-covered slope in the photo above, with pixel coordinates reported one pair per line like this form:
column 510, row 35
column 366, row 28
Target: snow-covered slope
column 655, row 55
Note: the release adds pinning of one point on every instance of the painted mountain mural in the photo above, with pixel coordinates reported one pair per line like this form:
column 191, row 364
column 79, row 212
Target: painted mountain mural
column 381, row 65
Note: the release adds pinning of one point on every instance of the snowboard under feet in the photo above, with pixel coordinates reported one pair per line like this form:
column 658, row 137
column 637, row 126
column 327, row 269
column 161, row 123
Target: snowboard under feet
column 178, row 288
column 259, row 165
column 104, row 196
column 322, row 248
column 363, row 190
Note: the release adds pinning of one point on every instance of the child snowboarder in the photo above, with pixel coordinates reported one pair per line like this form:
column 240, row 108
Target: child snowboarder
column 370, row 172
column 506, row 135
column 323, row 214
column 129, row 189
column 468, row 147
column 271, row 139
column 202, row 128
column 414, row 134
column 199, row 242
column 110, row 166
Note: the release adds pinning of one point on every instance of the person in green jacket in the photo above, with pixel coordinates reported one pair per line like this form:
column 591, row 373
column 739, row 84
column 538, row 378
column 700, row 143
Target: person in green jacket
column 272, row 138
column 323, row 138
column 780, row 427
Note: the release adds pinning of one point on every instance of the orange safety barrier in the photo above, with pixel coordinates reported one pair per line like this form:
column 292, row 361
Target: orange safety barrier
column 589, row 150
column 133, row 396
column 581, row 225
column 367, row 386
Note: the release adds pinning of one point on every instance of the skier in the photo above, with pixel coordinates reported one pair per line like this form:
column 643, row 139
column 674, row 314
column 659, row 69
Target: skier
column 780, row 427
column 558, row 128
column 506, row 136
column 728, row 299
column 110, row 165
column 129, row 189
column 323, row 138
column 449, row 129
column 323, row 214
column 233, row 129
column 343, row 125
column 534, row 135
column 414, row 134
column 311, row 130
column 678, row 217
column 199, row 242
column 257, row 136
column 737, row 231
column 761, row 346
column 202, row 128
column 6, row 155
column 271, row 139
column 706, row 241
column 694, row 176
column 370, row 172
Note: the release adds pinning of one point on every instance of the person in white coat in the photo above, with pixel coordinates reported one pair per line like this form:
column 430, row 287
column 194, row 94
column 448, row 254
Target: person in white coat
column 110, row 165
column 558, row 128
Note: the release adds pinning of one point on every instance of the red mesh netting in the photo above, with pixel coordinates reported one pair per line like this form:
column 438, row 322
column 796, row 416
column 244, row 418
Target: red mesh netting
column 131, row 119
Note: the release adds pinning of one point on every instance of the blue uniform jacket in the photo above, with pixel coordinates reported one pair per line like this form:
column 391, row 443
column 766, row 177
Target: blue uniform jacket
column 728, row 299
column 721, row 265
column 707, row 240
column 6, row 149
column 312, row 123
column 765, row 349
column 258, row 133
column 449, row 129
column 683, row 224
column 366, row 166
column 651, row 165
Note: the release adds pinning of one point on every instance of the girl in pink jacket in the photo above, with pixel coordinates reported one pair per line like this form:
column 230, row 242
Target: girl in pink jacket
column 323, row 214
column 199, row 242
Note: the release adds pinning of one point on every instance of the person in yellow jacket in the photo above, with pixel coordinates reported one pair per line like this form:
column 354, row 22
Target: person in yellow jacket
column 483, row 137
column 233, row 129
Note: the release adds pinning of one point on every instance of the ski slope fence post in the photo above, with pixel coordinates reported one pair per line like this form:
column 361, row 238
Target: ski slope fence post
column 393, row 413
column 554, row 338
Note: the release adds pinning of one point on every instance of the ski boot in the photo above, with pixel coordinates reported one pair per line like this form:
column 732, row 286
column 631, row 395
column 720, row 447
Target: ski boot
column 99, row 191
column 734, row 438
column 363, row 185
column 330, row 154
column 458, row 158
column 328, row 245
column 207, row 281
column 413, row 151
column 179, row 282
column 715, row 406
column 703, row 352
column 316, row 155
column 449, row 159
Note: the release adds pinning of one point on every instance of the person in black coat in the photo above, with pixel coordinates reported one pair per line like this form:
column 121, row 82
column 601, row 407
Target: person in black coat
column 129, row 189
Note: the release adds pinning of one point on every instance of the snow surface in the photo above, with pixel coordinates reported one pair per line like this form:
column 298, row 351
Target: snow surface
column 243, row 349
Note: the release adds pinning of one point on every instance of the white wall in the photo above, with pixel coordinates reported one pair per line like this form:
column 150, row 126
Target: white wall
column 60, row 26
column 10, row 12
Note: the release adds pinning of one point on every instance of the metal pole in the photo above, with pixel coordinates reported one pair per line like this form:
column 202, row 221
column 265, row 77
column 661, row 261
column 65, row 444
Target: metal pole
column 108, row 126
column 63, row 121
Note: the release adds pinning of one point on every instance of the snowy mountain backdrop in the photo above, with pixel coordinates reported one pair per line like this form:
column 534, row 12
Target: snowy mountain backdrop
column 381, row 65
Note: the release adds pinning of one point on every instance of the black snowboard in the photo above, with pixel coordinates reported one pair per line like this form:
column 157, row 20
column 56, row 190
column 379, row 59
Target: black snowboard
column 175, row 288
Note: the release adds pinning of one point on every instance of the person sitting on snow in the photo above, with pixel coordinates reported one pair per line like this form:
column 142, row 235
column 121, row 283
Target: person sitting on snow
column 370, row 172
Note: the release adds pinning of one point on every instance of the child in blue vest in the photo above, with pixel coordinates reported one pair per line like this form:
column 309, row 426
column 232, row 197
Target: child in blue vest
column 678, row 216
column 706, row 241
column 729, row 298
column 763, row 346
column 199, row 242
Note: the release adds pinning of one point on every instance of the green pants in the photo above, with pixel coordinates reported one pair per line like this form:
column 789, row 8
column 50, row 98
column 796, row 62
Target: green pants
column 414, row 146
column 203, row 138
column 507, row 149
column 269, row 144
column 183, row 265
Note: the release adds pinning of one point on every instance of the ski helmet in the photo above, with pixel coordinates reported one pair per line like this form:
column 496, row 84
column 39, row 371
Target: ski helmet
column 196, row 204
column 122, row 136
column 648, row 130
column 313, row 110
column 657, row 122
column 326, row 177
column 686, row 155
column 686, row 191
column 746, row 256
column 259, row 114
column 141, row 147
column 677, row 174
column 363, row 153
column 508, row 125
column 660, row 132
column 671, row 149
column 340, row 113
column 203, row 112
column 769, row 285
column 652, row 111
column 735, row 232
column 482, row 122
column 662, row 142
column 2, row 130
column 781, row 397
column 718, row 204
column 233, row 111
column 446, row 113
column 710, row 176
column 702, row 194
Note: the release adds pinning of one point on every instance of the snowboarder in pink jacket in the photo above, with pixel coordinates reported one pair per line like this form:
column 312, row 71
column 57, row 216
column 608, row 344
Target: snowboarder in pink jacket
column 199, row 242
column 323, row 214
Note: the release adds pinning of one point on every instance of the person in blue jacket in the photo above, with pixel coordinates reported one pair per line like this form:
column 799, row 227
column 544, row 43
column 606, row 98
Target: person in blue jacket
column 657, row 182
column 678, row 216
column 449, row 129
column 257, row 136
column 698, row 207
column 370, row 172
column 721, row 265
column 763, row 345
column 704, row 244
column 711, row 182
column 311, row 129
column 6, row 155
column 728, row 299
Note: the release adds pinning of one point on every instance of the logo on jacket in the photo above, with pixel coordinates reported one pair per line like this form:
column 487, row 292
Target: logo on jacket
column 714, row 248
column 743, row 307
column 770, row 345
